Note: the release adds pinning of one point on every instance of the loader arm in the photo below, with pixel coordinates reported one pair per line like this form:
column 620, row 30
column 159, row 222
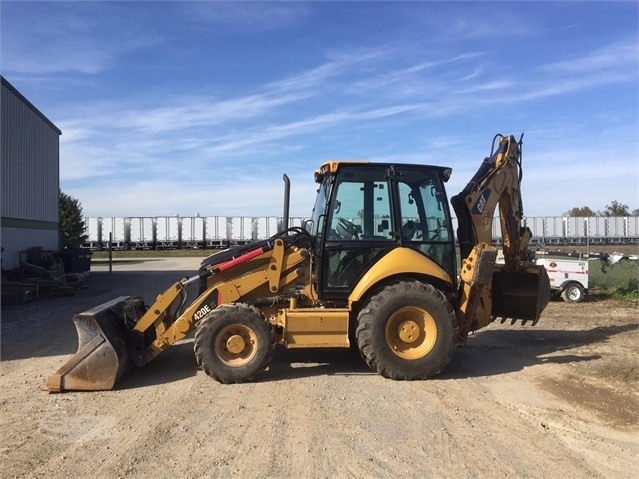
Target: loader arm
column 516, row 289
column 269, row 270
column 125, row 331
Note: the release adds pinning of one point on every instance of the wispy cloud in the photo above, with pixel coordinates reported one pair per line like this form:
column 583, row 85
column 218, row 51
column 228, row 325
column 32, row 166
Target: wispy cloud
column 205, row 112
column 409, row 74
column 471, row 21
column 263, row 121
column 247, row 16
column 618, row 56
column 58, row 37
column 339, row 65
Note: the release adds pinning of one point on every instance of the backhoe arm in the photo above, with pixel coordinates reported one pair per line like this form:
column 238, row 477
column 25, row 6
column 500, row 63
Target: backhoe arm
column 516, row 289
column 497, row 182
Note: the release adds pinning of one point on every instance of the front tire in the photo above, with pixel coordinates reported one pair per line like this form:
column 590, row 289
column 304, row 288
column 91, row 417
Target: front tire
column 234, row 343
column 407, row 331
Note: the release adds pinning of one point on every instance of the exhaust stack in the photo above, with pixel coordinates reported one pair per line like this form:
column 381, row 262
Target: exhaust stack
column 287, row 199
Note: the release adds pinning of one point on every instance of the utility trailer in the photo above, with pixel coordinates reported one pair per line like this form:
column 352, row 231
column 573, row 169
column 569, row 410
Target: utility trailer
column 568, row 272
column 568, row 277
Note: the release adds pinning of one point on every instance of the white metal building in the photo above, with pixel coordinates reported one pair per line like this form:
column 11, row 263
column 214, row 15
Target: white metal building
column 30, row 149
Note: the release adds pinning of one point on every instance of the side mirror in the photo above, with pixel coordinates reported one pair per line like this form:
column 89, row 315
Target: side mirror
column 308, row 225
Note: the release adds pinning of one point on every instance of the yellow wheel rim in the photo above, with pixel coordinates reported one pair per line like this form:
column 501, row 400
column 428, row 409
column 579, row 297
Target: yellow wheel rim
column 411, row 332
column 236, row 345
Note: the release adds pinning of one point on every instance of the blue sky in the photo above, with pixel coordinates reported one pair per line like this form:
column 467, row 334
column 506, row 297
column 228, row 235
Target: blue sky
column 199, row 107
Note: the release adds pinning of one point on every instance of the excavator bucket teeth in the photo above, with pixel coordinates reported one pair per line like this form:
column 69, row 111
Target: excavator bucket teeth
column 520, row 295
column 102, row 356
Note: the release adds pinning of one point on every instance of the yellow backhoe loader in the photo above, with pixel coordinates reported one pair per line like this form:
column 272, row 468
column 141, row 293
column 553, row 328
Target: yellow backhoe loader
column 376, row 265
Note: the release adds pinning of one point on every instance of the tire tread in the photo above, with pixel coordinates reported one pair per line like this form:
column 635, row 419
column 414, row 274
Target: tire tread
column 203, row 344
column 369, row 344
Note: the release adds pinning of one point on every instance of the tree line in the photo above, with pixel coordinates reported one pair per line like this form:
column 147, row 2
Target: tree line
column 613, row 209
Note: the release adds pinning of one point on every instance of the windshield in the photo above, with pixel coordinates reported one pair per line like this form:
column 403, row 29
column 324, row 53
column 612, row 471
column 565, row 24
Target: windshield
column 319, row 210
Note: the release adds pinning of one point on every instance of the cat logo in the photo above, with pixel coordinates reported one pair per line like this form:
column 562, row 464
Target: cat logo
column 200, row 313
column 481, row 203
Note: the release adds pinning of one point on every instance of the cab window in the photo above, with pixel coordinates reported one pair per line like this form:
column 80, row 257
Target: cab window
column 424, row 215
column 361, row 208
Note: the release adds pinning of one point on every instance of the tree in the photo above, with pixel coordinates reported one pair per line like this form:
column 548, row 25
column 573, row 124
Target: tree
column 71, row 223
column 615, row 209
column 580, row 211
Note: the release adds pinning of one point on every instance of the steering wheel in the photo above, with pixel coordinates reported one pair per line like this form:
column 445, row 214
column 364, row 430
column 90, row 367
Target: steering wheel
column 347, row 229
column 410, row 230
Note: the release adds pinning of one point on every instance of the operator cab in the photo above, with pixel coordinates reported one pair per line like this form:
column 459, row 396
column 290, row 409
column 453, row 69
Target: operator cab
column 364, row 210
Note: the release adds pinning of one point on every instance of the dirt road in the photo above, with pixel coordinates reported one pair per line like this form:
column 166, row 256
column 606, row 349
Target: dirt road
column 559, row 400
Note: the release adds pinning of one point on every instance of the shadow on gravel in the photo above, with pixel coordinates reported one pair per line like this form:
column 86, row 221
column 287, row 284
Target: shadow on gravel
column 498, row 352
column 302, row 363
column 487, row 353
column 178, row 362
column 174, row 364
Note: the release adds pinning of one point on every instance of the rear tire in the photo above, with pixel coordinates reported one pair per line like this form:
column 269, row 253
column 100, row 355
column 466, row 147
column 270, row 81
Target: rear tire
column 234, row 343
column 407, row 331
column 573, row 293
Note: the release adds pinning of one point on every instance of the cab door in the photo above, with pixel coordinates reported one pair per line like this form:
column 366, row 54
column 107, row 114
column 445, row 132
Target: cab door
column 360, row 227
column 424, row 215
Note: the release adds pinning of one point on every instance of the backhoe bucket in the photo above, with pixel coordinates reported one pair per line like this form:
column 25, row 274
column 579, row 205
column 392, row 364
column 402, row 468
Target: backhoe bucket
column 102, row 356
column 520, row 295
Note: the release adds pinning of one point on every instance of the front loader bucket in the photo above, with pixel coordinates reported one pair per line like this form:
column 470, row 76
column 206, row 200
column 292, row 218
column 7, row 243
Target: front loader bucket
column 520, row 295
column 102, row 355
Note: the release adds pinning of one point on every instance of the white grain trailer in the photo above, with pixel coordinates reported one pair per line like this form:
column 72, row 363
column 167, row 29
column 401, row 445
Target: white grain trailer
column 92, row 230
column 113, row 227
column 167, row 232
column 192, row 232
column 141, row 233
column 215, row 232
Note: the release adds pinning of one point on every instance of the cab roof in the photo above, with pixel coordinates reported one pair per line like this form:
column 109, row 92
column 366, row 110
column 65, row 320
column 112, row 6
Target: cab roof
column 332, row 166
